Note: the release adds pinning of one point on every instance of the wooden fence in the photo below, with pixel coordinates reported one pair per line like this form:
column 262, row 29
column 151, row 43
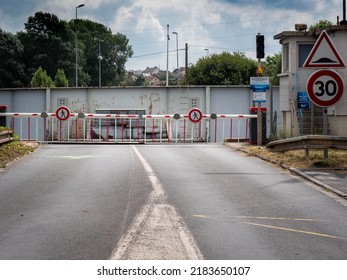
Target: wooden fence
column 6, row 136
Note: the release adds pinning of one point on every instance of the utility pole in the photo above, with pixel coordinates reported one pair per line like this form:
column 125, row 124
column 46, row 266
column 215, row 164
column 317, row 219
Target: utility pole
column 187, row 74
column 99, row 64
column 178, row 71
column 76, row 47
column 167, row 57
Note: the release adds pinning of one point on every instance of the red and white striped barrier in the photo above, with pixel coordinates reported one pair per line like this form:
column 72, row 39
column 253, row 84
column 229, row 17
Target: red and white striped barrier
column 157, row 124
column 90, row 127
column 84, row 123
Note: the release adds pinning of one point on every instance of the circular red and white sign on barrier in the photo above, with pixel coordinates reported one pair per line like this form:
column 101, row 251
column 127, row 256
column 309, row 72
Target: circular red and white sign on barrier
column 195, row 115
column 62, row 113
column 325, row 87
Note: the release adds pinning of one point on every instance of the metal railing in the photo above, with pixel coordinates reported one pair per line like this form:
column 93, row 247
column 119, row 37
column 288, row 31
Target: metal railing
column 129, row 128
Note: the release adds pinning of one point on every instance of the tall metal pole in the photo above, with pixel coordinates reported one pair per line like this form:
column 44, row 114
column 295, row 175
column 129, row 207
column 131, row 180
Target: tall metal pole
column 178, row 71
column 187, row 70
column 167, row 56
column 99, row 64
column 259, row 119
column 344, row 22
column 76, row 50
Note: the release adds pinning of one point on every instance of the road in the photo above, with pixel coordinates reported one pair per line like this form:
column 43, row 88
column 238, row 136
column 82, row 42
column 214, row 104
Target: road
column 163, row 202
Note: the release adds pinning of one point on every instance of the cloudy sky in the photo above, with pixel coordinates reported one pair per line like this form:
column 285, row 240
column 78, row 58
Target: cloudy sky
column 207, row 26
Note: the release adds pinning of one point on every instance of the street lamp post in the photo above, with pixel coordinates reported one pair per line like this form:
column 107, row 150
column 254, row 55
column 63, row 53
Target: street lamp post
column 100, row 57
column 167, row 56
column 178, row 71
column 76, row 50
column 207, row 51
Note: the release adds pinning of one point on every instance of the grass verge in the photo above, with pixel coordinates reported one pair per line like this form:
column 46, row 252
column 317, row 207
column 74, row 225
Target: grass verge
column 298, row 159
column 13, row 150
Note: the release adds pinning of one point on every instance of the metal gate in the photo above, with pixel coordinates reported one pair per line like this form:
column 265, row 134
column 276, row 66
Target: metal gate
column 128, row 128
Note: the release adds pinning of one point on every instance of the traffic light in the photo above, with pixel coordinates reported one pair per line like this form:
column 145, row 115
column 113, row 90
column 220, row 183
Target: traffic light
column 260, row 46
column 260, row 70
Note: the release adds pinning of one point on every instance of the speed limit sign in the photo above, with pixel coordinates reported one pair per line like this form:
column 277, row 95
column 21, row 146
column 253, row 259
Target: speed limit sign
column 325, row 87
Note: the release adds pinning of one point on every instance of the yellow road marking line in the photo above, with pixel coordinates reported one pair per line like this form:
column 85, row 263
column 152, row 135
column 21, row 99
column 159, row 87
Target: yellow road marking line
column 296, row 230
column 210, row 217
column 281, row 218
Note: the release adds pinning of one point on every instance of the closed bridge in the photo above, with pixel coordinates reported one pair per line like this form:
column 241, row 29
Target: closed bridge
column 124, row 128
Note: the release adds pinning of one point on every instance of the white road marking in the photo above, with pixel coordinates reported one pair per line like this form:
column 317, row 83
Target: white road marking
column 157, row 231
column 79, row 157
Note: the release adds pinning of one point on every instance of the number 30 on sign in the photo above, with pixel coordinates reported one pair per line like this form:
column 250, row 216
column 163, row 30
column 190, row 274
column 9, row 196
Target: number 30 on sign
column 325, row 88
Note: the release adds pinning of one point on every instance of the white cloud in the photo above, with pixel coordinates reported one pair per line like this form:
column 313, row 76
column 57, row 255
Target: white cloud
column 219, row 25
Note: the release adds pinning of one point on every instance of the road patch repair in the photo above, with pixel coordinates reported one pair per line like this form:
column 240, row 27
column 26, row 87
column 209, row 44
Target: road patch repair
column 157, row 231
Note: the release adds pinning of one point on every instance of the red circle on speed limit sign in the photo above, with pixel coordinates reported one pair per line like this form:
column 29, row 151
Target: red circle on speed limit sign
column 325, row 87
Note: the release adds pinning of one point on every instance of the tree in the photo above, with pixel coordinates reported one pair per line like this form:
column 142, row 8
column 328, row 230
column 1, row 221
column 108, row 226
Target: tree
column 114, row 51
column 321, row 24
column 41, row 79
column 11, row 57
column 272, row 67
column 140, row 81
column 223, row 69
column 48, row 42
column 60, row 79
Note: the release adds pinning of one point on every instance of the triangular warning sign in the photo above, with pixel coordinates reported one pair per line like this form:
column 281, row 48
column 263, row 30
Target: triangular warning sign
column 324, row 54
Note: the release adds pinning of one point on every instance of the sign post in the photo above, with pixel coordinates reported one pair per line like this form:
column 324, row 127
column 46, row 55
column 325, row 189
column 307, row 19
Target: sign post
column 259, row 85
column 324, row 87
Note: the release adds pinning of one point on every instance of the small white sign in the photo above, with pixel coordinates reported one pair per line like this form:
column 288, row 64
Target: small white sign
column 260, row 81
column 259, row 96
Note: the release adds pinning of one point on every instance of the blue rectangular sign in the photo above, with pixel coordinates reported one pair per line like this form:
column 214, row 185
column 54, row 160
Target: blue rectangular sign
column 260, row 88
column 303, row 100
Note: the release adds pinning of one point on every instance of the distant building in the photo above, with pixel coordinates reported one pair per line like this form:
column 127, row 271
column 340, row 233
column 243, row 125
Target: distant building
column 154, row 81
column 156, row 77
column 151, row 71
column 180, row 73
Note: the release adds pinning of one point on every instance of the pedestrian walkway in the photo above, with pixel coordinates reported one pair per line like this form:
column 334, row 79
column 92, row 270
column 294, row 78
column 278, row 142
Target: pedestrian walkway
column 334, row 180
column 331, row 179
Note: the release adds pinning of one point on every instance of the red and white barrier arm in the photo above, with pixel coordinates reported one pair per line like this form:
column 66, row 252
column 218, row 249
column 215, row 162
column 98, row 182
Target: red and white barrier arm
column 111, row 116
column 236, row 116
column 21, row 115
column 158, row 116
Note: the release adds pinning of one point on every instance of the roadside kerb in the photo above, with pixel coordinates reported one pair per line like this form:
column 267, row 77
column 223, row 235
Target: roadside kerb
column 293, row 170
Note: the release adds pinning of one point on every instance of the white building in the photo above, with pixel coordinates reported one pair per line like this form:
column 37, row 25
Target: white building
column 296, row 49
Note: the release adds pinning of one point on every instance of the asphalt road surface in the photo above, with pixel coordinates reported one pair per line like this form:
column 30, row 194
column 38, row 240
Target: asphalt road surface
column 163, row 202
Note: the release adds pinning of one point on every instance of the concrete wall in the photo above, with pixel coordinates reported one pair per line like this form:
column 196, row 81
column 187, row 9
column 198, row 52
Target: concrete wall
column 158, row 100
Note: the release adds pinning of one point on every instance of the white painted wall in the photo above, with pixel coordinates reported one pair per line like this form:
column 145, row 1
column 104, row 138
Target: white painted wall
column 158, row 100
